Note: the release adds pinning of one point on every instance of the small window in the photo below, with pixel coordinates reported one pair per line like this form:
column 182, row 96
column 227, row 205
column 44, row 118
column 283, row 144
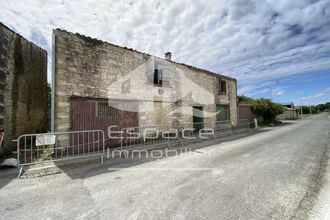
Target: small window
column 104, row 110
column 222, row 87
column 158, row 76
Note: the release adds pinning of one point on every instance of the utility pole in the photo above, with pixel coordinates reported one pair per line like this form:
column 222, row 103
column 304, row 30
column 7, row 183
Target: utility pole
column 271, row 93
column 301, row 108
column 310, row 107
column 271, row 90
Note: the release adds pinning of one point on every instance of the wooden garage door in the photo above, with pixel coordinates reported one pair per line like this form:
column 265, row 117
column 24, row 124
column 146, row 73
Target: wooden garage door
column 97, row 114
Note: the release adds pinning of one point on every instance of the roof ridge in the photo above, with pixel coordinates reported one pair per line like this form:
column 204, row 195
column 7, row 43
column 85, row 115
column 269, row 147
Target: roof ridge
column 21, row 36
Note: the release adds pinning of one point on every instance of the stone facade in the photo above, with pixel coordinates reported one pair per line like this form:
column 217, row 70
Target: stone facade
column 23, row 86
column 289, row 112
column 93, row 69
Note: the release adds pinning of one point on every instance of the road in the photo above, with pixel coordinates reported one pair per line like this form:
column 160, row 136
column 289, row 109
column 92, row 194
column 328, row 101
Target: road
column 275, row 174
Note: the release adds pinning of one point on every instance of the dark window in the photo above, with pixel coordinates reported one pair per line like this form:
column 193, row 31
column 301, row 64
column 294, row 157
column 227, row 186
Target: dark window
column 222, row 112
column 158, row 77
column 222, row 87
column 198, row 117
column 104, row 110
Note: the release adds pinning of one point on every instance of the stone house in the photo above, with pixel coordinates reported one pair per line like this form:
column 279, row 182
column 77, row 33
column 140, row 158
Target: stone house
column 289, row 111
column 23, row 87
column 97, row 84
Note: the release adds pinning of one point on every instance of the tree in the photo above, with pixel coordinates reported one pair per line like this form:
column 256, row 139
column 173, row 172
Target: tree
column 324, row 107
column 321, row 107
column 266, row 108
column 244, row 99
column 310, row 109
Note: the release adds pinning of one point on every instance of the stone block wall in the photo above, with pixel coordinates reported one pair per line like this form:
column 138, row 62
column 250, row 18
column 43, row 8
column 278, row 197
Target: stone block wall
column 85, row 67
column 90, row 68
column 23, row 87
column 210, row 82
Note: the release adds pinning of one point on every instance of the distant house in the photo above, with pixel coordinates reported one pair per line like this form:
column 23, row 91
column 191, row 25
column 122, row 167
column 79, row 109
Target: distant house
column 289, row 111
column 288, row 105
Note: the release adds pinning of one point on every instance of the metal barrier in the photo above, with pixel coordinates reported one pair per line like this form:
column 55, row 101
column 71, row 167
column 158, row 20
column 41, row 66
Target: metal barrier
column 57, row 146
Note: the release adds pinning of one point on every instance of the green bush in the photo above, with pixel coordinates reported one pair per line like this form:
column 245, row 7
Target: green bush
column 264, row 108
column 310, row 109
column 324, row 107
column 46, row 154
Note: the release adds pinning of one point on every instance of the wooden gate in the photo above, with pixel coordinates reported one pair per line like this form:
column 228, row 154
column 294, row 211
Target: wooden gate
column 98, row 114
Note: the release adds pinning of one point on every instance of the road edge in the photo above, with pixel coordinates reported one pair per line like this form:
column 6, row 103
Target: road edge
column 321, row 209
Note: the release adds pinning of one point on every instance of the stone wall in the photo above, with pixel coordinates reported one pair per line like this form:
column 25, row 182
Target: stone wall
column 90, row 68
column 210, row 82
column 23, row 86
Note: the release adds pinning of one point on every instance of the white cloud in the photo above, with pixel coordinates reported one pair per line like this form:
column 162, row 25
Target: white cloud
column 278, row 92
column 317, row 95
column 253, row 41
column 266, row 90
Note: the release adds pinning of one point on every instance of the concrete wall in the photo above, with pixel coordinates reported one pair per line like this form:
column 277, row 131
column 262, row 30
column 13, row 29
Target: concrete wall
column 23, row 86
column 86, row 67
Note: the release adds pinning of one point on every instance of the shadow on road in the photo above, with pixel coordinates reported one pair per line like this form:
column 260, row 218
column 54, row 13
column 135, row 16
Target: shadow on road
column 92, row 167
column 80, row 169
column 7, row 174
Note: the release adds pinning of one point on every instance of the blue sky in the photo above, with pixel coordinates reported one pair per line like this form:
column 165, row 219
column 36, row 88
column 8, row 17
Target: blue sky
column 278, row 48
column 306, row 88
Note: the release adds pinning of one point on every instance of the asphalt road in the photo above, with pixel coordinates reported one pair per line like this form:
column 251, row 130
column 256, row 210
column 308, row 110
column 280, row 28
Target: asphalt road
column 276, row 174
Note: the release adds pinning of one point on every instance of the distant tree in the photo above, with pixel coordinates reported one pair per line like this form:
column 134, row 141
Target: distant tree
column 266, row 108
column 310, row 109
column 324, row 107
column 314, row 109
column 305, row 110
column 244, row 99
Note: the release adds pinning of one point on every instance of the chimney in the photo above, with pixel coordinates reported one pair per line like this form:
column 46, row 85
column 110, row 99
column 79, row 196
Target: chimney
column 168, row 56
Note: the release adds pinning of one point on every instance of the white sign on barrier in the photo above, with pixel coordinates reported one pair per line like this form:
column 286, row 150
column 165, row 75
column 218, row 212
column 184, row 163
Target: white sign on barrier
column 45, row 139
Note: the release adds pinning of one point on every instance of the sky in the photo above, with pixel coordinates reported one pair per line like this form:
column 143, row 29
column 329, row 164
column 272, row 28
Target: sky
column 276, row 49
